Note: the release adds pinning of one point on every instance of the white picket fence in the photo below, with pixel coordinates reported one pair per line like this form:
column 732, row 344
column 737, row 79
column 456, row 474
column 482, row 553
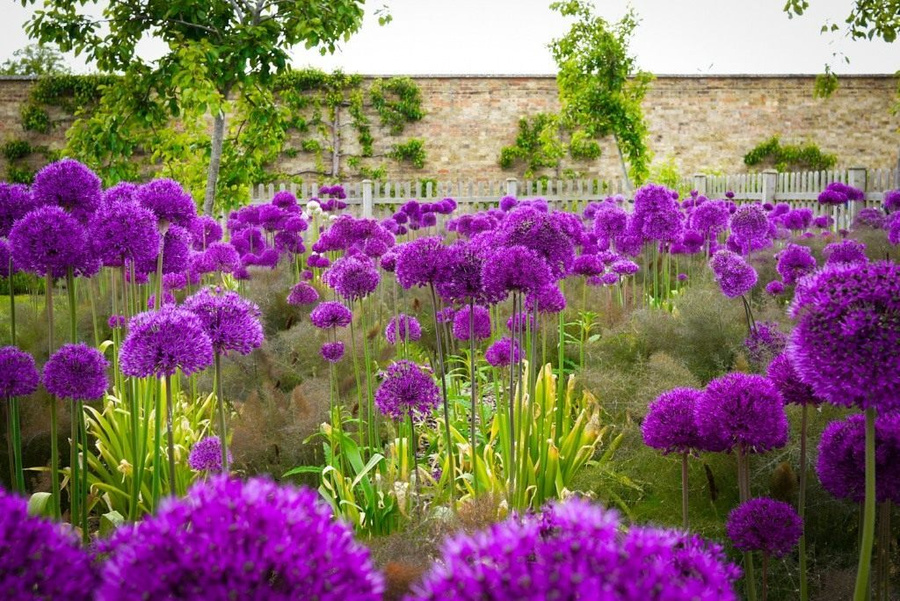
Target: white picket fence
column 372, row 198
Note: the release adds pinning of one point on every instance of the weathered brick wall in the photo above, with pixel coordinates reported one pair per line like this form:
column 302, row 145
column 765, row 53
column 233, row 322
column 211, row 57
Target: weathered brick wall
column 701, row 123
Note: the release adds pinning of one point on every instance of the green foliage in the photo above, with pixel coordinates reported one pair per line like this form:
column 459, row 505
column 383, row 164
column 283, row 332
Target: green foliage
column 667, row 174
column 397, row 101
column 790, row 156
column 412, row 152
column 34, row 60
column 15, row 149
column 19, row 175
column 35, row 119
column 600, row 86
column 867, row 19
column 826, row 84
column 543, row 141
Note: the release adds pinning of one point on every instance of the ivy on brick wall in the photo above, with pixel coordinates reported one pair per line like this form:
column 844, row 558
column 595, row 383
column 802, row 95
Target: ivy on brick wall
column 789, row 157
column 543, row 141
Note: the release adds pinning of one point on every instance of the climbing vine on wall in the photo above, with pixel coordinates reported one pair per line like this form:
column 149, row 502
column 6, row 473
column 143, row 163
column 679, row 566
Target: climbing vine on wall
column 786, row 157
column 543, row 142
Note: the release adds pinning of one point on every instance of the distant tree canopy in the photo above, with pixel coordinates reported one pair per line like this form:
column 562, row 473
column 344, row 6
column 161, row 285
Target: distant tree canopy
column 34, row 60
column 868, row 19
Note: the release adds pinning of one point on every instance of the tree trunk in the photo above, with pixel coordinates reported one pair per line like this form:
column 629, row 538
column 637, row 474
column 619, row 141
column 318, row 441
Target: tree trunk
column 622, row 162
column 215, row 159
column 336, row 143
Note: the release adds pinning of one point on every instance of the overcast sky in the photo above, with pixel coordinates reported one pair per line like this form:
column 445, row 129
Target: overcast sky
column 511, row 37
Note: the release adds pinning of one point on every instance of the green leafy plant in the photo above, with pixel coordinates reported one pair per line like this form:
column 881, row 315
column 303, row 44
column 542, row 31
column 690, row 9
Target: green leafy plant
column 16, row 149
column 786, row 157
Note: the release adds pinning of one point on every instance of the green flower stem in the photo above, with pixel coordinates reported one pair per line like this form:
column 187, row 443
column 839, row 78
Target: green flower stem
column 868, row 531
column 15, row 422
column 359, row 389
column 801, row 508
column 443, row 379
column 173, row 485
column 157, row 434
column 743, row 461
column 223, row 426
column 54, row 419
column 684, row 490
column 473, row 387
column 12, row 304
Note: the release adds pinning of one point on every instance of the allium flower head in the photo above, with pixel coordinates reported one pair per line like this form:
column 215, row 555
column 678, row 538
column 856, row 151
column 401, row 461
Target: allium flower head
column 891, row 201
column 219, row 257
column 514, row 269
column 823, row 221
column 782, row 373
column 766, row 525
column 539, row 232
column 204, row 231
column 624, row 267
column 302, row 294
column 841, row 465
column 231, row 322
column 797, row 220
column 230, row 539
column 870, row 217
column 18, row 375
column 69, row 185
column 332, row 352
column 764, row 342
column 121, row 192
column 671, row 424
column 353, row 277
column 49, row 240
column 749, row 224
column 419, row 263
column 15, row 203
column 168, row 201
column 330, row 314
column 744, row 409
column 482, row 323
column 39, row 558
column 574, row 550
column 206, row 455
column 735, row 276
column 502, row 352
column 123, row 231
column 548, row 299
column 459, row 279
column 846, row 344
column 160, row 342
column 406, row 390
column 588, row 265
column 845, row 251
column 285, row 200
column 775, row 287
column 609, row 221
column 403, row 328
column 76, row 372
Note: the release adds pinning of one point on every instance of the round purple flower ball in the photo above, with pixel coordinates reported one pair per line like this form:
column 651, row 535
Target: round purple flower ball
column 332, row 352
column 353, row 277
column 420, row 262
column 330, row 314
column 168, row 201
column 764, row 342
column 230, row 539
column 49, row 240
column 514, row 269
column 766, row 525
column 671, row 424
column 406, row 389
column 302, row 294
column 775, row 287
column 403, row 328
column 15, row 203
column 69, row 185
column 123, row 231
column 846, row 344
column 749, row 223
column 845, row 251
column 502, row 352
column 160, row 342
column 39, row 558
column 116, row 322
column 459, row 280
column 206, row 455
column 204, row 231
column 575, row 550
column 482, row 323
column 782, row 373
column 745, row 410
column 231, row 322
column 734, row 275
column 548, row 299
column 76, row 372
column 794, row 262
column 18, row 375
column 841, row 465
column 891, row 201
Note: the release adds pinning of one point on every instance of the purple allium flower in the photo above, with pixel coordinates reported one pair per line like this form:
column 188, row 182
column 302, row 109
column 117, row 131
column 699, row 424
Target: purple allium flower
column 744, row 409
column 794, row 262
column 502, row 351
column 445, row 315
column 671, row 424
column 123, row 231
column 69, row 185
column 588, row 265
column 160, row 342
column 610, row 279
column 406, row 389
column 168, row 201
column 18, row 375
column 775, row 287
column 681, row 277
column 893, row 228
column 353, row 277
column 332, row 352
column 204, row 231
column 782, row 373
column 845, row 251
column 459, row 279
column 248, row 240
column 285, row 200
column 174, row 281
column 764, row 342
column 823, row 221
column 482, row 323
column 116, row 322
column 609, row 221
column 514, row 268
column 507, row 203
column 420, row 262
column 167, row 299
column 39, row 558
column 330, row 314
column 575, row 550
column 891, row 201
column 539, row 232
column 206, row 455
column 749, row 226
column 549, row 299
column 766, row 525
column 231, row 322
column 49, row 240
column 735, row 276
column 624, row 267
column 797, row 220
column 871, row 217
column 282, row 543
column 403, row 328
column 76, row 372
column 729, row 194
column 220, row 257
column 841, row 465
column 15, row 203
column 302, row 294
column 121, row 192
column 846, row 344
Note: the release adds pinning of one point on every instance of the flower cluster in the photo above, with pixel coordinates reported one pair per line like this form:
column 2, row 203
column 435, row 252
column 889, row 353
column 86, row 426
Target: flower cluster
column 766, row 525
column 160, row 342
column 206, row 455
column 671, row 424
column 403, row 328
column 18, row 374
column 745, row 410
column 231, row 322
column 406, row 390
column 76, row 372
column 480, row 325
column 735, row 276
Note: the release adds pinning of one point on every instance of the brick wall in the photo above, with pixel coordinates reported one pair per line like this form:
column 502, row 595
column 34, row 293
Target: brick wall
column 700, row 122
